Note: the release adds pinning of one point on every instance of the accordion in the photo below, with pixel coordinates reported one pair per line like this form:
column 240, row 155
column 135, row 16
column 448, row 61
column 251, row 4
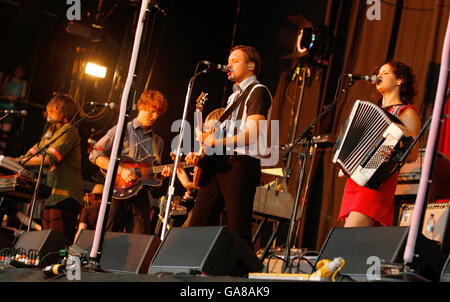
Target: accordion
column 367, row 132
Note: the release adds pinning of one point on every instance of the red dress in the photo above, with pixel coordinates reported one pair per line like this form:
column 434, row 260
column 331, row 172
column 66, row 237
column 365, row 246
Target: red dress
column 377, row 204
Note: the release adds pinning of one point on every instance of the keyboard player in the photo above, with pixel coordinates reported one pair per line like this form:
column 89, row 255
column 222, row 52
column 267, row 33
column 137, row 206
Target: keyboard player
column 62, row 167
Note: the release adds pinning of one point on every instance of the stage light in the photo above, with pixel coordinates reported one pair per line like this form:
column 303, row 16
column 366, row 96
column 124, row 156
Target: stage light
column 313, row 42
column 95, row 70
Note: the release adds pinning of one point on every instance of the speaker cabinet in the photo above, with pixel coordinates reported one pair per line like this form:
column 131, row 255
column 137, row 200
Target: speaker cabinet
column 45, row 242
column 122, row 252
column 356, row 245
column 210, row 250
column 441, row 212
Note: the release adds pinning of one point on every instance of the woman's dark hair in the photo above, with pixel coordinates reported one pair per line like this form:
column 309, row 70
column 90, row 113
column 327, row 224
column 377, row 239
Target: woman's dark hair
column 408, row 89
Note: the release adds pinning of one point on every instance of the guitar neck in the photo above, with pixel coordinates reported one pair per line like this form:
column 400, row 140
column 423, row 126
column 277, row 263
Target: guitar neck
column 158, row 169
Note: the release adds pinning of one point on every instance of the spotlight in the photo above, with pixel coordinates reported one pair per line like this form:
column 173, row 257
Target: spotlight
column 313, row 42
column 95, row 70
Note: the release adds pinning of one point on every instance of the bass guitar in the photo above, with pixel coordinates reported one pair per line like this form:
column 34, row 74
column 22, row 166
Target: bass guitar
column 146, row 172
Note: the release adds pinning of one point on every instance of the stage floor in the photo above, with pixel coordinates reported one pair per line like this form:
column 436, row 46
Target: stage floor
column 32, row 283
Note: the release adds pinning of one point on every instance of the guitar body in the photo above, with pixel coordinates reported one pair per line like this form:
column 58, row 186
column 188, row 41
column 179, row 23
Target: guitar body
column 146, row 177
column 146, row 172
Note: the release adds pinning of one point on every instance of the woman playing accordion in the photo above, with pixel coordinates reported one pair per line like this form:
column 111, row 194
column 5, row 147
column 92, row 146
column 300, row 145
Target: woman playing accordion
column 365, row 206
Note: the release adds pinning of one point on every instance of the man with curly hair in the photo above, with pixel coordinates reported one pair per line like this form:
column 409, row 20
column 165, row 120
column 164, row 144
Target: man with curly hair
column 134, row 215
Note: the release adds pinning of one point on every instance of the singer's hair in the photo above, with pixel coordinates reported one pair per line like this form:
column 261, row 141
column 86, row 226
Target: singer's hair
column 408, row 89
column 251, row 55
column 64, row 104
column 152, row 99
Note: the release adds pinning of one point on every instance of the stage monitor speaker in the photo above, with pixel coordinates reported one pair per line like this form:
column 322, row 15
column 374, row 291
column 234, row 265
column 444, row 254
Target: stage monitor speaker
column 46, row 242
column 213, row 250
column 445, row 275
column 122, row 252
column 356, row 245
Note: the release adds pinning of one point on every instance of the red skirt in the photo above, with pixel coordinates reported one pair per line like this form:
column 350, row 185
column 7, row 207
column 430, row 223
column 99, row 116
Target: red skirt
column 377, row 204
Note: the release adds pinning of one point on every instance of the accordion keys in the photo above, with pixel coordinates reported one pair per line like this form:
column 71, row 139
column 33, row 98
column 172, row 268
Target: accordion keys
column 369, row 132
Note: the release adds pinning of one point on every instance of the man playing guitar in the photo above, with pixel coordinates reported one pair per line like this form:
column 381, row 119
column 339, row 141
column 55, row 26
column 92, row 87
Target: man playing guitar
column 236, row 174
column 132, row 215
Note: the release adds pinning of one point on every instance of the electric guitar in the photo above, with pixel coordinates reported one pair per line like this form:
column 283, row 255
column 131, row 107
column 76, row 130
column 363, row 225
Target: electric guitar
column 198, row 177
column 146, row 172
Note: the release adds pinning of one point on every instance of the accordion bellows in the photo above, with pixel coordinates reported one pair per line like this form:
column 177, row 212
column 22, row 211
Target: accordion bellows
column 358, row 151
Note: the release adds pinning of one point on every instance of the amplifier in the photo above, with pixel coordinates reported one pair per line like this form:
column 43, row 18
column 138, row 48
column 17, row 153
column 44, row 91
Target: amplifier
column 440, row 210
column 409, row 176
column 273, row 203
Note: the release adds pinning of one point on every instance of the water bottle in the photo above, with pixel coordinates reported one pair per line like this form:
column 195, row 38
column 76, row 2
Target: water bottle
column 429, row 230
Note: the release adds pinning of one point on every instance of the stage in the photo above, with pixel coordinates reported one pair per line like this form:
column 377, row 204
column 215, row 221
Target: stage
column 32, row 283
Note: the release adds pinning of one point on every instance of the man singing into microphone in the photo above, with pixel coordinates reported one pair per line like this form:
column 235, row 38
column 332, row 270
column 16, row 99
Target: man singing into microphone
column 133, row 215
column 62, row 166
column 237, row 173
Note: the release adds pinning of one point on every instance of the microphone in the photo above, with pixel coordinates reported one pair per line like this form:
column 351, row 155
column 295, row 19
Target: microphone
column 212, row 66
column 373, row 78
column 20, row 112
column 110, row 105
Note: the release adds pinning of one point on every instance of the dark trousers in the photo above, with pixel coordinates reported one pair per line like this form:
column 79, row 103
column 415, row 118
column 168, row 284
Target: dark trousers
column 232, row 187
column 134, row 215
column 62, row 217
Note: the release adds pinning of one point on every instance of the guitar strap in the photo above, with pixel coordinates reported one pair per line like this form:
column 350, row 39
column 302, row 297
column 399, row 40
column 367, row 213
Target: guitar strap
column 236, row 103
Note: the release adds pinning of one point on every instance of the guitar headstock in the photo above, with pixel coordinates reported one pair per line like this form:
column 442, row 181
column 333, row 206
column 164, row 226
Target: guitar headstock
column 202, row 98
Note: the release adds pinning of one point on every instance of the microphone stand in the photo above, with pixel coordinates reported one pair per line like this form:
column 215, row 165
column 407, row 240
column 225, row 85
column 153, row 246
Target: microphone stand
column 402, row 157
column 171, row 189
column 97, row 244
column 305, row 135
column 6, row 114
column 432, row 142
column 43, row 150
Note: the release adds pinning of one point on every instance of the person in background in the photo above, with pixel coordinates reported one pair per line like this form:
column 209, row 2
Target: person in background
column 184, row 178
column 13, row 90
column 89, row 213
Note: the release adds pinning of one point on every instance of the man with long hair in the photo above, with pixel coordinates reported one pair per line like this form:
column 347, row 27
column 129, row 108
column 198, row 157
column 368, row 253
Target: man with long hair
column 62, row 162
